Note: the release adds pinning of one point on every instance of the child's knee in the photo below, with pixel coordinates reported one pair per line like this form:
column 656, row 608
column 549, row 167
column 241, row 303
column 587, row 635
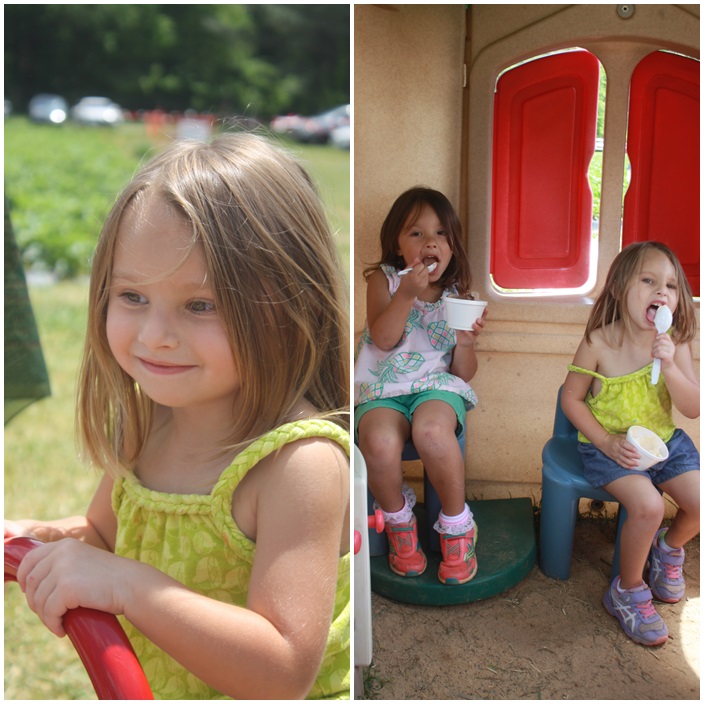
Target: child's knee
column 650, row 509
column 380, row 446
column 432, row 433
column 692, row 501
column 691, row 507
column 695, row 499
column 684, row 490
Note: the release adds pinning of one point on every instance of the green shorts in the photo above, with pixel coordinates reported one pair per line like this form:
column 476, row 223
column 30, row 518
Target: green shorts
column 407, row 406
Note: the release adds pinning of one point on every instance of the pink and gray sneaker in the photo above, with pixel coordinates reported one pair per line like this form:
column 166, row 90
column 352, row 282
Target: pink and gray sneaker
column 406, row 557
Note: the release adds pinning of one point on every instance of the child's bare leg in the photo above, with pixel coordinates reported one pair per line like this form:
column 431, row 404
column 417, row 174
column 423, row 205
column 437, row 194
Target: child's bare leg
column 433, row 431
column 684, row 489
column 645, row 509
column 383, row 432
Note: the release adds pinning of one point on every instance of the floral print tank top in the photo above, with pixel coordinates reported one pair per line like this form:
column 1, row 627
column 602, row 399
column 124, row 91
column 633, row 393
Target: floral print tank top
column 420, row 362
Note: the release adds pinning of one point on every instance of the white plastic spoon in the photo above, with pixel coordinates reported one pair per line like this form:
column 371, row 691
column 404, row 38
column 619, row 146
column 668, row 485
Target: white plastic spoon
column 431, row 269
column 663, row 321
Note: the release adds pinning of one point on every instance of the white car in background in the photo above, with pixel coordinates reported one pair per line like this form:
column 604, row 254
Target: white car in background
column 97, row 111
column 49, row 108
column 340, row 137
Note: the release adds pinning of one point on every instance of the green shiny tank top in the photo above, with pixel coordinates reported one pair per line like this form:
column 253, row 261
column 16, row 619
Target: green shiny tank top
column 194, row 539
column 629, row 400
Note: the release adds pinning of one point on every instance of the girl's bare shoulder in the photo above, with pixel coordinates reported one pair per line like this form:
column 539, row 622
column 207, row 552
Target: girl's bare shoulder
column 604, row 341
column 315, row 461
column 377, row 281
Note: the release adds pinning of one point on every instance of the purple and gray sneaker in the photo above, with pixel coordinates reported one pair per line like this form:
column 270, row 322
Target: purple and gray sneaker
column 665, row 577
column 636, row 614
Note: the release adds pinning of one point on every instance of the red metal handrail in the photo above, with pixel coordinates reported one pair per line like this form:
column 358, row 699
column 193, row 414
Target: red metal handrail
column 98, row 637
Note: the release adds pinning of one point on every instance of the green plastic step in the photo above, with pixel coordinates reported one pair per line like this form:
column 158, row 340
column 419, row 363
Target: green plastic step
column 505, row 555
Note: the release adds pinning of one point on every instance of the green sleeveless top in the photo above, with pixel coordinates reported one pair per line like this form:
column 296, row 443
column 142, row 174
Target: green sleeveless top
column 630, row 400
column 194, row 539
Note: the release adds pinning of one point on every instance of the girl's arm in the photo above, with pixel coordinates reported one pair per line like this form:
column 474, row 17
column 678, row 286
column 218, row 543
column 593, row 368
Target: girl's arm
column 271, row 649
column 464, row 356
column 574, row 392
column 678, row 372
column 387, row 316
column 97, row 527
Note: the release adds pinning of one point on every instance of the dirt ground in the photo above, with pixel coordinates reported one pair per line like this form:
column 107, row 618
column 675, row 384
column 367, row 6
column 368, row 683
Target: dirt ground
column 542, row 639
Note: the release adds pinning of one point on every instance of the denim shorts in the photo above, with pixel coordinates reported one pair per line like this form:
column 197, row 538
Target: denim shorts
column 600, row 470
column 407, row 405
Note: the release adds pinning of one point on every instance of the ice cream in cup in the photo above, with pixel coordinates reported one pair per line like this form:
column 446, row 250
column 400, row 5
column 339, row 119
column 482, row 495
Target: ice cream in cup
column 650, row 446
column 462, row 313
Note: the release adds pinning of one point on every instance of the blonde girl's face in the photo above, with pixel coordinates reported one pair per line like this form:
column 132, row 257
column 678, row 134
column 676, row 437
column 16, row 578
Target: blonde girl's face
column 162, row 324
column 655, row 285
column 423, row 237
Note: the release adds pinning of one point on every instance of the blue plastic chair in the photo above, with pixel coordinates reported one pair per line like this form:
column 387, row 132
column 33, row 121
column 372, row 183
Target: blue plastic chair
column 563, row 486
column 378, row 544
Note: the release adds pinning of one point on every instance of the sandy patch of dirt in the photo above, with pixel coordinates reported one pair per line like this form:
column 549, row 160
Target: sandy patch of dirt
column 542, row 639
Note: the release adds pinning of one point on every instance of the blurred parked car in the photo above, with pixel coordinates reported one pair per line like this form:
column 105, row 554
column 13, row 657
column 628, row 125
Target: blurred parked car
column 314, row 129
column 49, row 108
column 340, row 137
column 286, row 124
column 97, row 111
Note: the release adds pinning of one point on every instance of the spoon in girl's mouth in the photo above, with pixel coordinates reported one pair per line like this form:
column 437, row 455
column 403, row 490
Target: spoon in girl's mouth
column 431, row 269
column 663, row 321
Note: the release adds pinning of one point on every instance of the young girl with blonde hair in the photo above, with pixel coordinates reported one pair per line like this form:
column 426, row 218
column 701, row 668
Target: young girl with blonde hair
column 608, row 389
column 214, row 395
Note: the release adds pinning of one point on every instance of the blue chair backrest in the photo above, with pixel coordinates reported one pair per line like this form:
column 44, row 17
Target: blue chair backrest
column 563, row 426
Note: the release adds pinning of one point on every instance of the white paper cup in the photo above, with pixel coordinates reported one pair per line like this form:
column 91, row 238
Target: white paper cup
column 461, row 313
column 650, row 446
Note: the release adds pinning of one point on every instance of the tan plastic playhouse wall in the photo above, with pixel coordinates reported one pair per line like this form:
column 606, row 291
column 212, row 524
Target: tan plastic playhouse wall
column 424, row 77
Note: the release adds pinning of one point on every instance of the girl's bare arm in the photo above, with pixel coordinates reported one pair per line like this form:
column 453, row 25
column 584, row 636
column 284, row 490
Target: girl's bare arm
column 464, row 356
column 387, row 316
column 97, row 527
column 682, row 382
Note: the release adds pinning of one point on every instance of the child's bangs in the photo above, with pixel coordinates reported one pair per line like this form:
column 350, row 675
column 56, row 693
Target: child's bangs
column 139, row 202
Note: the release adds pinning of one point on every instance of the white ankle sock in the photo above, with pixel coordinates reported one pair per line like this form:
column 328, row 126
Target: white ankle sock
column 406, row 513
column 455, row 525
column 396, row 517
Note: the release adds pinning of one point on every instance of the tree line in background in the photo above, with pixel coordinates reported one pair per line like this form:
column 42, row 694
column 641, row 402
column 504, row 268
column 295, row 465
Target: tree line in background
column 251, row 60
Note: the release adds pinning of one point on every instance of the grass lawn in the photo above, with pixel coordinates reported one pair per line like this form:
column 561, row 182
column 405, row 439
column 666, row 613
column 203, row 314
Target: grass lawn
column 43, row 478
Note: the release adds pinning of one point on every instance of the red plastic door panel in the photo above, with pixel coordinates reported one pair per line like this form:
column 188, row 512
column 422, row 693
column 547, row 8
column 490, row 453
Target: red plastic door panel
column 662, row 202
column 544, row 130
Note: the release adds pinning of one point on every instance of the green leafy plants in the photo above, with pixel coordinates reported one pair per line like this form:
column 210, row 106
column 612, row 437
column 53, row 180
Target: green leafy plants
column 61, row 182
